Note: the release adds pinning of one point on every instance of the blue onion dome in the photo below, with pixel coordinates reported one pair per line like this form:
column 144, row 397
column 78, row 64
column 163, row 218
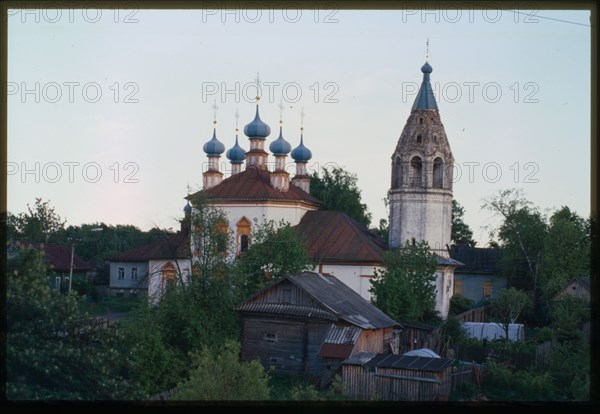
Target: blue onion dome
column 280, row 146
column 301, row 153
column 214, row 147
column 257, row 128
column 426, row 68
column 188, row 208
column 236, row 154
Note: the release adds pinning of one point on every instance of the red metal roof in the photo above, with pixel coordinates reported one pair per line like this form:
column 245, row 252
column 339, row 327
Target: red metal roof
column 58, row 257
column 335, row 236
column 174, row 246
column 254, row 184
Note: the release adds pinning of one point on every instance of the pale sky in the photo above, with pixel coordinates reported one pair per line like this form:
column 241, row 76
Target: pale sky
column 108, row 112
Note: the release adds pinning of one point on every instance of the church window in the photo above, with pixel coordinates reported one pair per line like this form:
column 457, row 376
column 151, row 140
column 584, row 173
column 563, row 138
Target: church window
column 420, row 120
column 397, row 173
column 435, row 139
column 438, row 173
column 419, row 139
column 416, row 172
column 243, row 243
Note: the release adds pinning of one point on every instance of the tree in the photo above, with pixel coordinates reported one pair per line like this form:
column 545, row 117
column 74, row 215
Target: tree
column 338, row 190
column 461, row 232
column 218, row 374
column 53, row 350
column 566, row 251
column 405, row 286
column 521, row 236
column 567, row 314
column 276, row 251
column 508, row 306
column 37, row 225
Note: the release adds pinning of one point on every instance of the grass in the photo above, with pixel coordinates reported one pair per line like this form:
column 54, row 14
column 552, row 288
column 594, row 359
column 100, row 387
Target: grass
column 111, row 304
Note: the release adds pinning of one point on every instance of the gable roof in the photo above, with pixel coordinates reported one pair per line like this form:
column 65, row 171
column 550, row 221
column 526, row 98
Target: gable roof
column 254, row 184
column 476, row 259
column 584, row 281
column 58, row 257
column 405, row 362
column 174, row 246
column 335, row 299
column 335, row 236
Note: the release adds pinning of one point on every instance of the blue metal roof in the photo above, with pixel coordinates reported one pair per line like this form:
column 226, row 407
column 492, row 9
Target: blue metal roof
column 214, row 147
column 236, row 154
column 301, row 153
column 257, row 128
column 425, row 98
column 280, row 146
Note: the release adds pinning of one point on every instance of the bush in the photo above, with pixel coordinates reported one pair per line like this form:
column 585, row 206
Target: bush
column 545, row 334
column 505, row 384
column 219, row 375
column 460, row 304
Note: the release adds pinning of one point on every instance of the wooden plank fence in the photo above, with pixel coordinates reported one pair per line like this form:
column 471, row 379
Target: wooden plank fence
column 473, row 315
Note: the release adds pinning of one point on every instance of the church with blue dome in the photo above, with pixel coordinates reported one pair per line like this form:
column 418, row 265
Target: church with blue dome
column 261, row 188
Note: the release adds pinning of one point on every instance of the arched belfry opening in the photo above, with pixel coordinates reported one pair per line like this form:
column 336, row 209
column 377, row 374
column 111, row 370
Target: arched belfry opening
column 397, row 172
column 438, row 173
column 416, row 171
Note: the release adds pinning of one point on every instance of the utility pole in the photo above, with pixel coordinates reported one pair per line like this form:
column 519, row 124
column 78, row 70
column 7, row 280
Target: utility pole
column 72, row 257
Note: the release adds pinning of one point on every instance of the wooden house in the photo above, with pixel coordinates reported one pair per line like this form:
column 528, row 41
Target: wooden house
column 578, row 287
column 369, row 375
column 308, row 323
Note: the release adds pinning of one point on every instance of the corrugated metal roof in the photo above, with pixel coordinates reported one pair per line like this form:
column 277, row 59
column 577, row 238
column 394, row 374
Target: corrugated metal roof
column 254, row 184
column 342, row 300
column 342, row 335
column 477, row 259
column 335, row 236
column 284, row 309
column 339, row 341
column 338, row 301
column 406, row 362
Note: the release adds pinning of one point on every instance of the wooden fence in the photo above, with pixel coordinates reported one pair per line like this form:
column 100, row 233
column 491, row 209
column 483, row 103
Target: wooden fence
column 472, row 315
column 471, row 373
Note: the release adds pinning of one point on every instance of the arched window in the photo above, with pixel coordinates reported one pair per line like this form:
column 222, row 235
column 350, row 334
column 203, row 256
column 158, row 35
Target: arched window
column 420, row 120
column 419, row 139
column 243, row 235
column 244, row 242
column 416, row 172
column 438, row 173
column 397, row 173
column 168, row 280
column 435, row 139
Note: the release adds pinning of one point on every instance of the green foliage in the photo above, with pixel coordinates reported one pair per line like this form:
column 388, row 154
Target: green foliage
column 305, row 392
column 507, row 307
column 405, row 287
column 545, row 334
column 461, row 232
column 460, row 304
column 570, row 368
column 338, row 190
column 506, row 384
column 53, row 351
column 452, row 330
column 275, row 251
column 567, row 315
column 566, row 251
column 38, row 225
column 218, row 374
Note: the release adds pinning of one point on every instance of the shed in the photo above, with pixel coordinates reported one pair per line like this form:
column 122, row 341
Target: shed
column 308, row 323
column 578, row 287
column 369, row 375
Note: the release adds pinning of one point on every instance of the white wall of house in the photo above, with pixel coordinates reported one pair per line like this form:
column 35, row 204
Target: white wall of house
column 444, row 286
column 128, row 269
column 155, row 275
column 289, row 212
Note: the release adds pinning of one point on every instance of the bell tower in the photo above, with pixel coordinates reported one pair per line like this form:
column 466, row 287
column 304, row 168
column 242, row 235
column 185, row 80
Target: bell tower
column 420, row 196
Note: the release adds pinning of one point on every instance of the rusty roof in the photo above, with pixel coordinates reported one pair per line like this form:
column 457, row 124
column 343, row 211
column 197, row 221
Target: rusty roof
column 333, row 297
column 254, row 184
column 174, row 246
column 406, row 362
column 339, row 342
column 335, row 236
column 58, row 257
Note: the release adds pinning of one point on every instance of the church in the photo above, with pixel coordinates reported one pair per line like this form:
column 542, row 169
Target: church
column 420, row 197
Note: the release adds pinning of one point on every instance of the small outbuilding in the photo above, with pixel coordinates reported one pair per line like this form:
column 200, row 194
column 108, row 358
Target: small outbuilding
column 308, row 323
column 369, row 375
